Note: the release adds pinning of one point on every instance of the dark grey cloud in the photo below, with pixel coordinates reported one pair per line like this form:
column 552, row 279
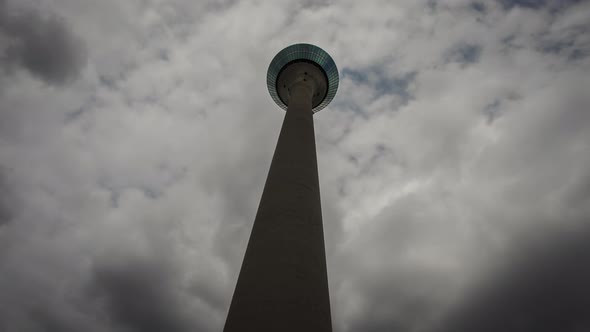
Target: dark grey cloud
column 140, row 296
column 478, row 6
column 6, row 199
column 540, row 285
column 554, row 5
column 523, row 3
column 59, row 319
column 403, row 301
column 42, row 43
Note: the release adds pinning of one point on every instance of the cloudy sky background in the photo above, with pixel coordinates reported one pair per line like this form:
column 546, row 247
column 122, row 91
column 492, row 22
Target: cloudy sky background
column 135, row 138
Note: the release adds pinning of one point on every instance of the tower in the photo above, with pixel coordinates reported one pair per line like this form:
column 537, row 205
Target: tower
column 283, row 283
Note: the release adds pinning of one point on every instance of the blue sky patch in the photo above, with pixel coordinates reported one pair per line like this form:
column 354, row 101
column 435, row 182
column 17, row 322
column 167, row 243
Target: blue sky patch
column 382, row 83
column 465, row 53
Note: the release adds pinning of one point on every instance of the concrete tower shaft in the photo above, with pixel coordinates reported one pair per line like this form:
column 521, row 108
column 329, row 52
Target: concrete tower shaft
column 283, row 282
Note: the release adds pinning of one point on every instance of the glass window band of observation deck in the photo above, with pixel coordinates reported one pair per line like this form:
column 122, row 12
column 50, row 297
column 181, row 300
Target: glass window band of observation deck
column 303, row 52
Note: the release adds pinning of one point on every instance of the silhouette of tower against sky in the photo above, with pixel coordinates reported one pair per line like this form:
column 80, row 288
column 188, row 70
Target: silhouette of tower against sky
column 283, row 282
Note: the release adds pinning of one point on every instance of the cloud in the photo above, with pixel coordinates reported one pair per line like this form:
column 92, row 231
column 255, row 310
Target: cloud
column 541, row 286
column 140, row 296
column 43, row 44
column 6, row 200
column 135, row 139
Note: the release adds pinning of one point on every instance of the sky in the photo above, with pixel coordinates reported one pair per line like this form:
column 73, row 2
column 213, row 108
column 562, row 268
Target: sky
column 454, row 161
